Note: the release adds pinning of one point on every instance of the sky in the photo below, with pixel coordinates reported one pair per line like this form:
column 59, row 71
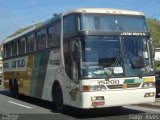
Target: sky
column 17, row 14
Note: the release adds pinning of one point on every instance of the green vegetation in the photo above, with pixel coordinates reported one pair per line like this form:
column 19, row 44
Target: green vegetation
column 154, row 26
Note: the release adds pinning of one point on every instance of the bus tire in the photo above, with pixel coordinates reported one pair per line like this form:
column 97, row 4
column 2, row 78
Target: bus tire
column 11, row 87
column 16, row 89
column 58, row 98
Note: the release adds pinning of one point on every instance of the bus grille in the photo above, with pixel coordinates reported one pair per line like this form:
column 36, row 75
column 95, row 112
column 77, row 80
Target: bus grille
column 115, row 86
column 120, row 86
column 133, row 85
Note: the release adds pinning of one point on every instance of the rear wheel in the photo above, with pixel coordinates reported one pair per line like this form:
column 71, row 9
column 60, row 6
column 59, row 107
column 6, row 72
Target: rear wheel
column 58, row 98
column 11, row 87
column 16, row 89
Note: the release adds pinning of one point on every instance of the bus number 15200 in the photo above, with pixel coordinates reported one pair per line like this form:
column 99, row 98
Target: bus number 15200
column 110, row 82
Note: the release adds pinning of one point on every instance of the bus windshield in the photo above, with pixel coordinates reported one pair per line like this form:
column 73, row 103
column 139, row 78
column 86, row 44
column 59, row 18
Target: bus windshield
column 105, row 22
column 115, row 57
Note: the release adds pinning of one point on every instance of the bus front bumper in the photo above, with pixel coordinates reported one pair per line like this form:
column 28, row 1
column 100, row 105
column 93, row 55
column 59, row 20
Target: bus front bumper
column 104, row 99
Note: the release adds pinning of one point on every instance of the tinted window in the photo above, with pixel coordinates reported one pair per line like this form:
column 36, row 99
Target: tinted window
column 41, row 40
column 113, row 23
column 50, row 42
column 21, row 46
column 14, row 48
column 57, row 34
column 4, row 52
column 8, row 50
column 30, row 43
column 69, row 25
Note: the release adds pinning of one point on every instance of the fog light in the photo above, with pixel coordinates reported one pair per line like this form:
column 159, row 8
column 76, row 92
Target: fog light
column 93, row 98
column 149, row 94
column 146, row 95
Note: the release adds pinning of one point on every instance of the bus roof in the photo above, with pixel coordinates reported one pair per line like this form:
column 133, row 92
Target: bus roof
column 8, row 39
column 81, row 10
column 104, row 10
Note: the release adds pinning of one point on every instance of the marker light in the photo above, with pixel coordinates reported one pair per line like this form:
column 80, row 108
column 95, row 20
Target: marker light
column 149, row 80
column 93, row 88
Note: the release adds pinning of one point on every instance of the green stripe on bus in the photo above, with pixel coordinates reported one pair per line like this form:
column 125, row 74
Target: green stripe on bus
column 39, row 74
column 138, row 80
column 127, row 81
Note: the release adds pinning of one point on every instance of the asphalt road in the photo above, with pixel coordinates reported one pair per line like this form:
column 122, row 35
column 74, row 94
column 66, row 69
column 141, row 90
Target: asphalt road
column 1, row 87
column 27, row 108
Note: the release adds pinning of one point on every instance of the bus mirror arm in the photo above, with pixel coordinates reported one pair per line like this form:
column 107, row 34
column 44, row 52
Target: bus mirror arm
column 152, row 48
column 77, row 51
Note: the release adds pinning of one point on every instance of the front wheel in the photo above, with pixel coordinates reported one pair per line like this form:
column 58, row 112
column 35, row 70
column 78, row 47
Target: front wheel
column 11, row 87
column 58, row 99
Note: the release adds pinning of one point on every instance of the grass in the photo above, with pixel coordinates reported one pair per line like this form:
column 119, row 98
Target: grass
column 154, row 26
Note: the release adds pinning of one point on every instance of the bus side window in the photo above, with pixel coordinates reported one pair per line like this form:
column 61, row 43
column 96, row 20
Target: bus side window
column 21, row 46
column 8, row 50
column 56, row 40
column 41, row 40
column 30, row 43
column 14, row 48
column 69, row 25
column 50, row 32
column 4, row 51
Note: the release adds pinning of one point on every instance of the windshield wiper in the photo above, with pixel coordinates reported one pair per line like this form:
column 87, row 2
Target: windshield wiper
column 117, row 59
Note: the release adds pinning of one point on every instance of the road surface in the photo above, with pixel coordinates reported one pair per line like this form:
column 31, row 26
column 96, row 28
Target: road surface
column 30, row 108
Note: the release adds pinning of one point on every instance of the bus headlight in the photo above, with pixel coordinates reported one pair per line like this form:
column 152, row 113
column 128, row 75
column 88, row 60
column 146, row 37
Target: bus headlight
column 148, row 85
column 97, row 88
column 93, row 88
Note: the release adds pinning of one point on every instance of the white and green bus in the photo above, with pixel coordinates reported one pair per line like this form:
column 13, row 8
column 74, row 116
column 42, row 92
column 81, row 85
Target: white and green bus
column 85, row 58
